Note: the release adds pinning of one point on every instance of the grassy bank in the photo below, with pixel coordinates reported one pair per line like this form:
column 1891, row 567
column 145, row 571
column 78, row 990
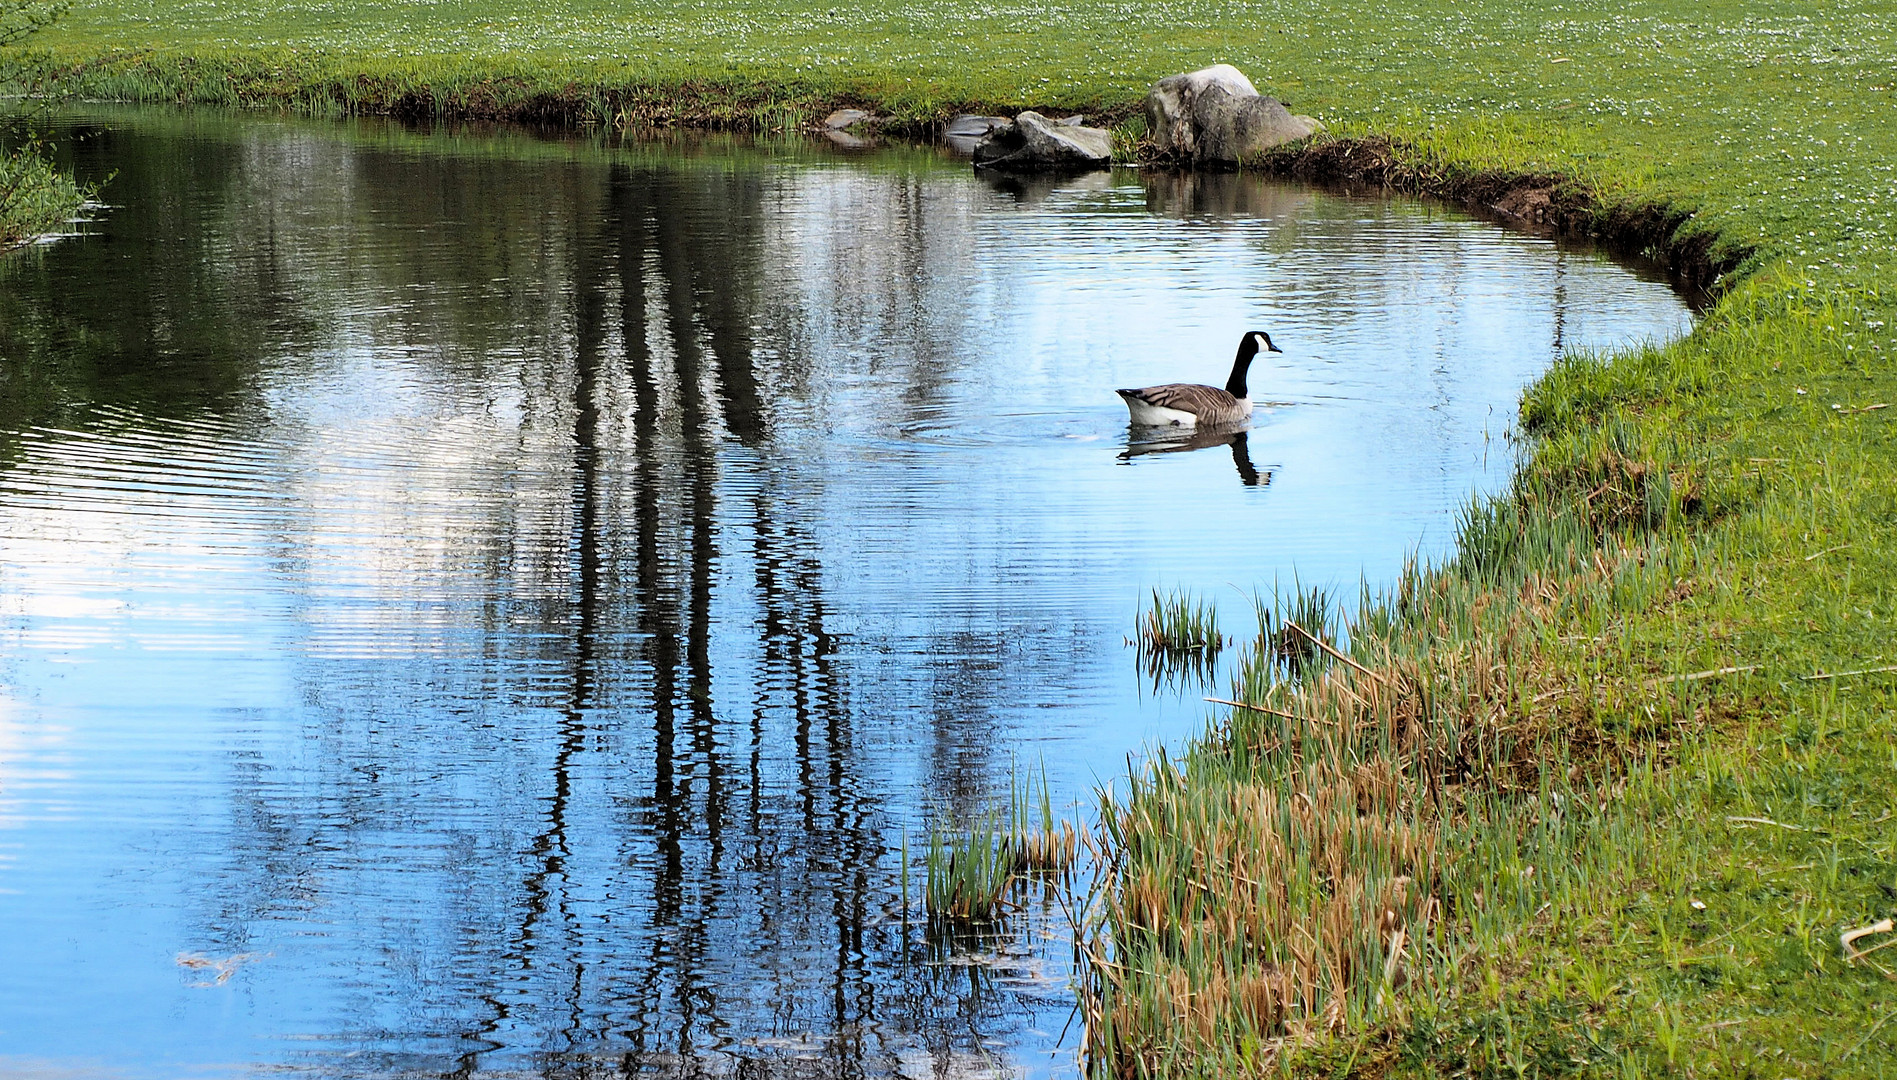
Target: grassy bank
column 1598, row 797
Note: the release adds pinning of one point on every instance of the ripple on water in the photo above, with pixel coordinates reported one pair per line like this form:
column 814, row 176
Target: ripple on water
column 491, row 610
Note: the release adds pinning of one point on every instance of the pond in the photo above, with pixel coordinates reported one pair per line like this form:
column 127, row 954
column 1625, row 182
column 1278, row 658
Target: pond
column 477, row 603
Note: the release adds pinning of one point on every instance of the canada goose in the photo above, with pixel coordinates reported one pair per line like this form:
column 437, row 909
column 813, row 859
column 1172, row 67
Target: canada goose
column 1190, row 404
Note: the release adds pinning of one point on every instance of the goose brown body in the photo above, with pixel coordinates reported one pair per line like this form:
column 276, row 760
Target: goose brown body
column 1192, row 404
column 1198, row 404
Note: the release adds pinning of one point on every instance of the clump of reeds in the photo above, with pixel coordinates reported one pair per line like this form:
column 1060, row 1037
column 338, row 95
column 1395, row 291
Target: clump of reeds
column 1178, row 637
column 1040, row 841
column 1280, row 888
column 1245, row 916
column 1294, row 630
column 969, row 869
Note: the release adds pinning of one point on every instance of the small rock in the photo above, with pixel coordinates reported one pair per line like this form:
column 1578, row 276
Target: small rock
column 1032, row 143
column 1214, row 116
column 963, row 132
column 844, row 118
column 969, row 126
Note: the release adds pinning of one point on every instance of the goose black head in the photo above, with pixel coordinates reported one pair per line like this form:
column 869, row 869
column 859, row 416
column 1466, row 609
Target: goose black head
column 1253, row 343
column 1248, row 346
column 1258, row 340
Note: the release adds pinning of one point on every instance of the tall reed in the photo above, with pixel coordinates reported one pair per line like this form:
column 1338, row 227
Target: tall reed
column 967, row 870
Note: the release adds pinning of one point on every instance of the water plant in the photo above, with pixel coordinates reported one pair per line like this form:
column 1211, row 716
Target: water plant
column 36, row 198
column 969, row 869
column 1178, row 638
column 1295, row 630
column 1040, row 840
column 1180, row 623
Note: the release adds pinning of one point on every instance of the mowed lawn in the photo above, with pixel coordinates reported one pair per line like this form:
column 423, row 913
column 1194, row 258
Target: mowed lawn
column 1693, row 925
column 1688, row 98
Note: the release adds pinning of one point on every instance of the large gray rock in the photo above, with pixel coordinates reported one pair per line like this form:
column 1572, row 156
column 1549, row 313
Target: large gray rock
column 1033, row 143
column 1214, row 116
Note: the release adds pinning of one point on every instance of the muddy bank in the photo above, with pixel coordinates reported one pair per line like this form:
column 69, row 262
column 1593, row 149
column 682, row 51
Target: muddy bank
column 1543, row 202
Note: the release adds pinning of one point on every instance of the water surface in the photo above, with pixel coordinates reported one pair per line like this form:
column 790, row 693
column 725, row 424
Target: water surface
column 478, row 604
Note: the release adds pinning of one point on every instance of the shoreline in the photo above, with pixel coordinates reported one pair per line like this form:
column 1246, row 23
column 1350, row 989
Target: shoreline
column 530, row 92
column 1536, row 199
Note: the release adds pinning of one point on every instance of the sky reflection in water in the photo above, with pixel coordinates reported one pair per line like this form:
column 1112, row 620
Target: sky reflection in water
column 488, row 605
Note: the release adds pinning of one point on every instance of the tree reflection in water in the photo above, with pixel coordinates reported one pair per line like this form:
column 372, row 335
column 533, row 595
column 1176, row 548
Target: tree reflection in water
column 500, row 603
column 703, row 876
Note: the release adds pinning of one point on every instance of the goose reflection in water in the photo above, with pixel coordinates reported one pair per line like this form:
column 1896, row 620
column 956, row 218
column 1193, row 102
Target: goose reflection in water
column 1140, row 441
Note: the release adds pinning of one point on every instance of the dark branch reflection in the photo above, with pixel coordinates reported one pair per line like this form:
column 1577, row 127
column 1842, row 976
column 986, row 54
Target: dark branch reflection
column 701, row 866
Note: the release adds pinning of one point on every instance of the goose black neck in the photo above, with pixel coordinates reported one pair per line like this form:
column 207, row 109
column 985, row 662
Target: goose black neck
column 1247, row 349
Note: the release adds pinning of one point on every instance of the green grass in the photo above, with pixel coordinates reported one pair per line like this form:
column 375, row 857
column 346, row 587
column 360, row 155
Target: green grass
column 35, row 198
column 1698, row 843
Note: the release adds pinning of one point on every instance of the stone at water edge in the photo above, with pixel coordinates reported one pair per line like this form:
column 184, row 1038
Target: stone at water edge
column 967, row 126
column 1216, row 116
column 1033, row 143
column 963, row 132
column 844, row 118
